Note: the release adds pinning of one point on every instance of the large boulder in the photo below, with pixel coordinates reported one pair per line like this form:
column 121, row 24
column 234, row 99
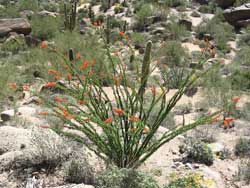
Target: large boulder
column 239, row 16
column 18, row 25
column 225, row 3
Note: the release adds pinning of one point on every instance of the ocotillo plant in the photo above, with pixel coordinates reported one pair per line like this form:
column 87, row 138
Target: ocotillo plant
column 119, row 127
column 70, row 16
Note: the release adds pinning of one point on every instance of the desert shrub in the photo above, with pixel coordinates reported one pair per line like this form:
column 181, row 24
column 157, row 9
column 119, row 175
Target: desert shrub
column 174, row 55
column 244, row 171
column 242, row 147
column 175, row 3
column 245, row 111
column 9, row 11
column 245, row 37
column 197, row 151
column 79, row 171
column 243, row 56
column 44, row 27
column 211, row 7
column 28, row 5
column 125, row 178
column 241, row 2
column 50, row 6
column 193, row 180
column 205, row 134
column 47, row 153
column 240, row 79
column 14, row 45
column 221, row 31
column 224, row 154
column 177, row 31
column 145, row 11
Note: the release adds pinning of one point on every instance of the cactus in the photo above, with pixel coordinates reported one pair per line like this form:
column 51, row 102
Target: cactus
column 71, row 54
column 107, row 31
column 145, row 69
column 124, row 26
column 70, row 17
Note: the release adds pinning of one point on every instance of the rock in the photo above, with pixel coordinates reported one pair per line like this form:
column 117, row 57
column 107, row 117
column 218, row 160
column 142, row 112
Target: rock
column 216, row 147
column 239, row 16
column 18, row 25
column 186, row 23
column 195, row 14
column 13, row 139
column 7, row 159
column 47, row 13
column 203, row 2
column 225, row 3
column 7, row 115
column 159, row 30
column 153, row 19
column 26, row 13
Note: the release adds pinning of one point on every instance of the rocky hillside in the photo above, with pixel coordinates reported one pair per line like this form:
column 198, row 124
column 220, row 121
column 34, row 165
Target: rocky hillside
column 91, row 88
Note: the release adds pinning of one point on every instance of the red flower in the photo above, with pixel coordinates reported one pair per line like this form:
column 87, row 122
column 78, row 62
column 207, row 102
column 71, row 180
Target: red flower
column 44, row 45
column 84, row 65
column 118, row 111
column 228, row 120
column 81, row 102
column 52, row 71
column 59, row 99
column 121, row 33
column 236, row 99
column 146, row 130
column 108, row 120
column 43, row 113
column 78, row 56
column 50, row 84
column 13, row 85
column 69, row 77
column 153, row 90
column 134, row 119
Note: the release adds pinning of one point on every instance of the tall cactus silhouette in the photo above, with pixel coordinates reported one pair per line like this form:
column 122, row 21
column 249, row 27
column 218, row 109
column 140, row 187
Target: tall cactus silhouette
column 71, row 54
column 107, row 31
column 145, row 69
column 70, row 16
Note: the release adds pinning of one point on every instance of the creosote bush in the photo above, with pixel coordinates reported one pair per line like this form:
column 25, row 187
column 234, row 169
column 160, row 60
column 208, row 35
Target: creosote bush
column 125, row 178
column 124, row 137
column 242, row 147
column 197, row 151
column 79, row 171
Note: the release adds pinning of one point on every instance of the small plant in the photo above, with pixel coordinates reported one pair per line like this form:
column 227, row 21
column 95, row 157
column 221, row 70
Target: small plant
column 14, row 45
column 244, row 171
column 192, row 180
column 242, row 147
column 80, row 172
column 118, row 8
column 197, row 151
column 224, row 154
column 125, row 178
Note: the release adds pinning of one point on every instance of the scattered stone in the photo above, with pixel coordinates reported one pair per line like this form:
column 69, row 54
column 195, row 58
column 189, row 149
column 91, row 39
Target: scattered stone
column 18, row 25
column 239, row 16
column 186, row 23
column 225, row 3
column 7, row 115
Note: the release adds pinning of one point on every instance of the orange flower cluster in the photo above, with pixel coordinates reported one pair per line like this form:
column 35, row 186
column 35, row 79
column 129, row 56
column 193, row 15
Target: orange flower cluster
column 43, row 113
column 44, row 45
column 97, row 24
column 108, row 120
column 13, row 85
column 134, row 119
column 78, row 56
column 50, row 84
column 236, row 99
column 47, row 126
column 228, row 120
column 118, row 111
column 60, row 99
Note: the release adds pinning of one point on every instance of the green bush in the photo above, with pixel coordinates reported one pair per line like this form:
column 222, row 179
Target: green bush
column 175, row 3
column 197, row 151
column 145, row 11
column 242, row 147
column 241, row 2
column 243, row 56
column 14, row 45
column 10, row 11
column 177, row 31
column 44, row 27
column 28, row 5
column 80, row 172
column 240, row 79
column 125, row 178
